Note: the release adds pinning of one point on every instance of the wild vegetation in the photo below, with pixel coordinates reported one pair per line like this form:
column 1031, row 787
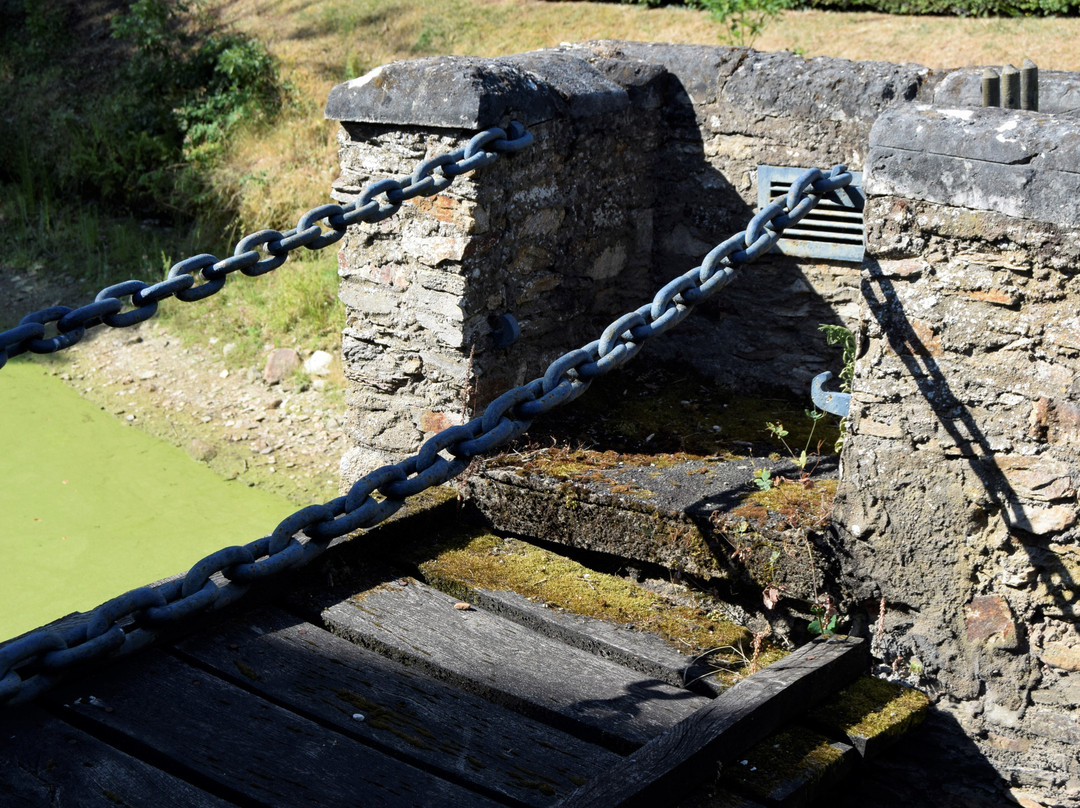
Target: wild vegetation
column 136, row 134
column 962, row 8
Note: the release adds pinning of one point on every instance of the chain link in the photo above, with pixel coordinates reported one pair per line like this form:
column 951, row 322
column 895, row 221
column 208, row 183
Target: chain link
column 182, row 282
column 29, row 665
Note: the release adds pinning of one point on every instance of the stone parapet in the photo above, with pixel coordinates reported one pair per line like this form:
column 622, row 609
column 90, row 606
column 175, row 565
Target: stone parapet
column 645, row 158
column 957, row 503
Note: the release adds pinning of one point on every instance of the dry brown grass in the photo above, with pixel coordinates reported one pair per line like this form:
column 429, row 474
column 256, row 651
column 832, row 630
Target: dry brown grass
column 932, row 41
column 279, row 172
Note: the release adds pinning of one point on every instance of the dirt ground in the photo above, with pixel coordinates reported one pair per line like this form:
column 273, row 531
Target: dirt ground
column 274, row 436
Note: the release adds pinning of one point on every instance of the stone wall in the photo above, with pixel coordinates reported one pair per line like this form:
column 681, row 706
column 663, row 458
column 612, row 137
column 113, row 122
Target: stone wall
column 957, row 502
column 645, row 158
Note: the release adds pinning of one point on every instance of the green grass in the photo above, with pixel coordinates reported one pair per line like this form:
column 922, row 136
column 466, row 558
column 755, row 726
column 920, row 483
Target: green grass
column 266, row 175
column 294, row 306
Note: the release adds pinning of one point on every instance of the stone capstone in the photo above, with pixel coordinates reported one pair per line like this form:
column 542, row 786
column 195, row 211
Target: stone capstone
column 1010, row 161
column 472, row 93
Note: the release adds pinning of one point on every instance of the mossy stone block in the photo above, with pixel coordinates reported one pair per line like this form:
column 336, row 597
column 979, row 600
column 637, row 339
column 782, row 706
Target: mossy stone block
column 791, row 768
column 872, row 713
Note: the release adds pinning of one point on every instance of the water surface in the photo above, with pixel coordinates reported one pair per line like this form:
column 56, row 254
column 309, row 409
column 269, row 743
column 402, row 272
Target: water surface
column 91, row 507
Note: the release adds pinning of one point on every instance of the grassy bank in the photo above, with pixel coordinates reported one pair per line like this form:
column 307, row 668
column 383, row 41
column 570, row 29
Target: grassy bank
column 269, row 172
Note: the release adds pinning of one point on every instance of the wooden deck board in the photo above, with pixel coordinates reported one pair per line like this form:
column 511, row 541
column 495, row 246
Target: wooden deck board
column 47, row 762
column 509, row 664
column 664, row 769
column 463, row 737
column 647, row 653
column 160, row 707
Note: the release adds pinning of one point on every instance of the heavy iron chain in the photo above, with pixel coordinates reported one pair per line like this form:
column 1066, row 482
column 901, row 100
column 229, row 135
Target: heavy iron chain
column 33, row 663
column 430, row 177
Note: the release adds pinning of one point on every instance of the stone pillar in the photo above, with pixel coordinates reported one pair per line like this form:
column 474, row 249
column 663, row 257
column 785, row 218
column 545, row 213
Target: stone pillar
column 958, row 498
column 645, row 158
column 541, row 236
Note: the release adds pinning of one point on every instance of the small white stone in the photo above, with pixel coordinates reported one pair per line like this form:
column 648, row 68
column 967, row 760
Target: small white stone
column 318, row 364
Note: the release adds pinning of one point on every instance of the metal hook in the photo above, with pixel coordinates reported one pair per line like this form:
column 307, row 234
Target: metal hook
column 836, row 403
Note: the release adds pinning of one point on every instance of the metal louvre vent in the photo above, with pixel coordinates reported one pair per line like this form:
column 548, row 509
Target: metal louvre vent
column 832, row 230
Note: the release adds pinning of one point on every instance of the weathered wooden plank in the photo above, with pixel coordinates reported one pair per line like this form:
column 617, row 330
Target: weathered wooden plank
column 665, row 768
column 511, row 665
column 49, row 763
column 468, row 739
column 253, row 750
column 639, row 651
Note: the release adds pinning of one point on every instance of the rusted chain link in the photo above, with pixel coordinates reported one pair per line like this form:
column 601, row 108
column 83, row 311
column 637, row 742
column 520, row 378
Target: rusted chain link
column 31, row 664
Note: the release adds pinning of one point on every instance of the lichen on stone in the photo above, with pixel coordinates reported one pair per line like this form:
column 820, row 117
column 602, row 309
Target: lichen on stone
column 873, row 708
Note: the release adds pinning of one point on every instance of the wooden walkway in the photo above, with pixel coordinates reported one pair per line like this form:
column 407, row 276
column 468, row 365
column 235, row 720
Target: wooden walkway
column 404, row 698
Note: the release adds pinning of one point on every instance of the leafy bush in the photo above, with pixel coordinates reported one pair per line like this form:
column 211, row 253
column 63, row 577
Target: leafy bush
column 134, row 125
column 743, row 20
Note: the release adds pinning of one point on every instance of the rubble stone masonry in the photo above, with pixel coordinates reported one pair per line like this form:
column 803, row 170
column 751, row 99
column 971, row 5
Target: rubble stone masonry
column 957, row 501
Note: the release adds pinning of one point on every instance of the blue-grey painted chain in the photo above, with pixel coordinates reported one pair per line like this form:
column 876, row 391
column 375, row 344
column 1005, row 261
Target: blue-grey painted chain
column 31, row 664
column 429, row 178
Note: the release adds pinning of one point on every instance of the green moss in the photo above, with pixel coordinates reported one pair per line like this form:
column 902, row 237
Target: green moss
column 671, row 410
column 782, row 762
column 524, row 778
column 247, row 671
column 586, row 465
column 874, row 708
column 378, row 717
column 809, row 494
column 486, row 561
column 426, row 500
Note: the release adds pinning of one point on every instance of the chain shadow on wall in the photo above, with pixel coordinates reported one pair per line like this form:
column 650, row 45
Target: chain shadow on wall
column 953, row 768
column 971, row 443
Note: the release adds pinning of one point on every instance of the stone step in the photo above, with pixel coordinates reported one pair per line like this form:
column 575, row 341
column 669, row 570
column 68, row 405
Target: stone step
column 797, row 766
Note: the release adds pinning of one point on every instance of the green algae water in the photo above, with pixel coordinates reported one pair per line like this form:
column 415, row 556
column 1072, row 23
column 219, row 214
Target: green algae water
column 91, row 507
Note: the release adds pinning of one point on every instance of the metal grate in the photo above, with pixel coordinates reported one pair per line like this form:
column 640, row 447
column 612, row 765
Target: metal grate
column 832, row 230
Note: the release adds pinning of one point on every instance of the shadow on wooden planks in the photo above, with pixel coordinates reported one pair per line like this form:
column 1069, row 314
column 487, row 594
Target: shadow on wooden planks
column 405, row 701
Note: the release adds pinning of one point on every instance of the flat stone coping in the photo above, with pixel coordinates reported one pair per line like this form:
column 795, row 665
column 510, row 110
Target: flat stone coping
column 1019, row 163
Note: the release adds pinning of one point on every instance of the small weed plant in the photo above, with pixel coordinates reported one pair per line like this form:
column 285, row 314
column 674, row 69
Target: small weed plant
column 825, row 617
column 763, row 478
column 742, row 21
column 838, row 335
